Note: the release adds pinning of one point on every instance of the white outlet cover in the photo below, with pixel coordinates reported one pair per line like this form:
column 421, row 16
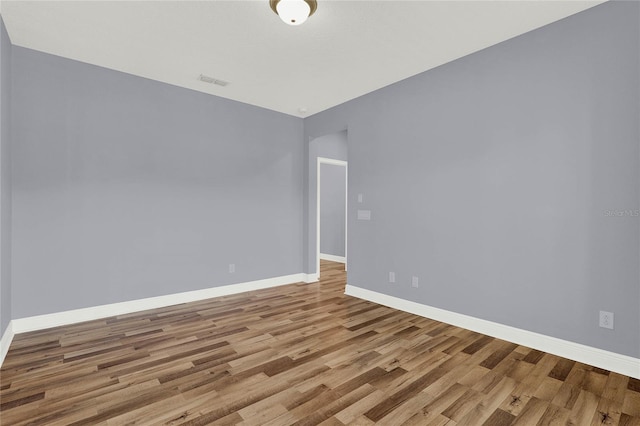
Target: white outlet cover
column 606, row 319
column 414, row 282
column 232, row 268
column 359, row 198
column 392, row 277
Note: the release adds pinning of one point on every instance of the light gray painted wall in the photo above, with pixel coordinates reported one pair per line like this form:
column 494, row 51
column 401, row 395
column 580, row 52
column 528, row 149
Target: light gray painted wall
column 332, row 209
column 330, row 144
column 5, row 178
column 126, row 188
column 490, row 179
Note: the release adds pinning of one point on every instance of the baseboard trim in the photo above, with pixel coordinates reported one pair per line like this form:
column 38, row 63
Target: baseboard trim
column 611, row 361
column 333, row 258
column 311, row 278
column 40, row 322
column 5, row 342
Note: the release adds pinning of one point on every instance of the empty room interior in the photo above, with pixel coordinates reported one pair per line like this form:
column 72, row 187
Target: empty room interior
column 278, row 212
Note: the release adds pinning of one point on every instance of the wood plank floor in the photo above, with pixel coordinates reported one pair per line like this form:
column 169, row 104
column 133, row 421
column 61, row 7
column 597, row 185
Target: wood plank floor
column 300, row 354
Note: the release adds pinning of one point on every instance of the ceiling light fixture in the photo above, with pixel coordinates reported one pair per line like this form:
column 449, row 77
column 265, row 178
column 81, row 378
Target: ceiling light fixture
column 293, row 12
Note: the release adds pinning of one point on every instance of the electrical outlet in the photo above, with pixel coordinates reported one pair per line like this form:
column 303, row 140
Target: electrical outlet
column 606, row 319
column 392, row 277
column 232, row 268
column 414, row 282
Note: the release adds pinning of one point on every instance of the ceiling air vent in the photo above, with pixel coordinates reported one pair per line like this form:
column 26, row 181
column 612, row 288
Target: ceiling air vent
column 212, row 80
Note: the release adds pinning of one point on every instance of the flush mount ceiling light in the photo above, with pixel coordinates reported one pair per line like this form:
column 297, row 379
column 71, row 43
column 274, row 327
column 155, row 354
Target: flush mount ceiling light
column 293, row 12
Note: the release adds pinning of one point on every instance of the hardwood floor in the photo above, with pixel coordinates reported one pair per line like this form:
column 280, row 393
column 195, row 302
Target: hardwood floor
column 301, row 354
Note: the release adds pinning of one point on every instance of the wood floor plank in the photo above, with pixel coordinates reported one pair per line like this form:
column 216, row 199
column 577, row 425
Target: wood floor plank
column 531, row 413
column 303, row 354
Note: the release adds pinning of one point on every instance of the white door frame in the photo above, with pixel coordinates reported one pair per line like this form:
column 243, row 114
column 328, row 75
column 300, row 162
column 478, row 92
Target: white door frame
column 324, row 160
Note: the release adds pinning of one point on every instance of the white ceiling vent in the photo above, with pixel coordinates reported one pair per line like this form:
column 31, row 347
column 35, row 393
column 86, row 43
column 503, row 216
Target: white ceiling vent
column 212, row 80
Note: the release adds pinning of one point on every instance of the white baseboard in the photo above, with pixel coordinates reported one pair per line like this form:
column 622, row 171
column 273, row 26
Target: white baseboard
column 311, row 278
column 40, row 322
column 5, row 342
column 611, row 361
column 333, row 258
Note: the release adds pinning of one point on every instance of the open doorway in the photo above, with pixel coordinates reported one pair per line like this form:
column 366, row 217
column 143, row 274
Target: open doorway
column 332, row 149
column 331, row 215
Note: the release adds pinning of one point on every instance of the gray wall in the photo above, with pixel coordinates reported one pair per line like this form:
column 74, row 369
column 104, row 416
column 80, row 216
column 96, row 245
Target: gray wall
column 5, row 178
column 491, row 178
column 329, row 144
column 332, row 209
column 125, row 188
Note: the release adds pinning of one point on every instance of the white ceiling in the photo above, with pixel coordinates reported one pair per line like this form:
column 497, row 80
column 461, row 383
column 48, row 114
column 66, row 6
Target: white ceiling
column 346, row 49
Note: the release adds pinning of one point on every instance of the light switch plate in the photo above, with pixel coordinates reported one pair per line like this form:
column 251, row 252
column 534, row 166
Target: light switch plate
column 364, row 214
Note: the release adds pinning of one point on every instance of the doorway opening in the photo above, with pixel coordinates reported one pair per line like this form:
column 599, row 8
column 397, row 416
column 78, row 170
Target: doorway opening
column 331, row 214
column 328, row 150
